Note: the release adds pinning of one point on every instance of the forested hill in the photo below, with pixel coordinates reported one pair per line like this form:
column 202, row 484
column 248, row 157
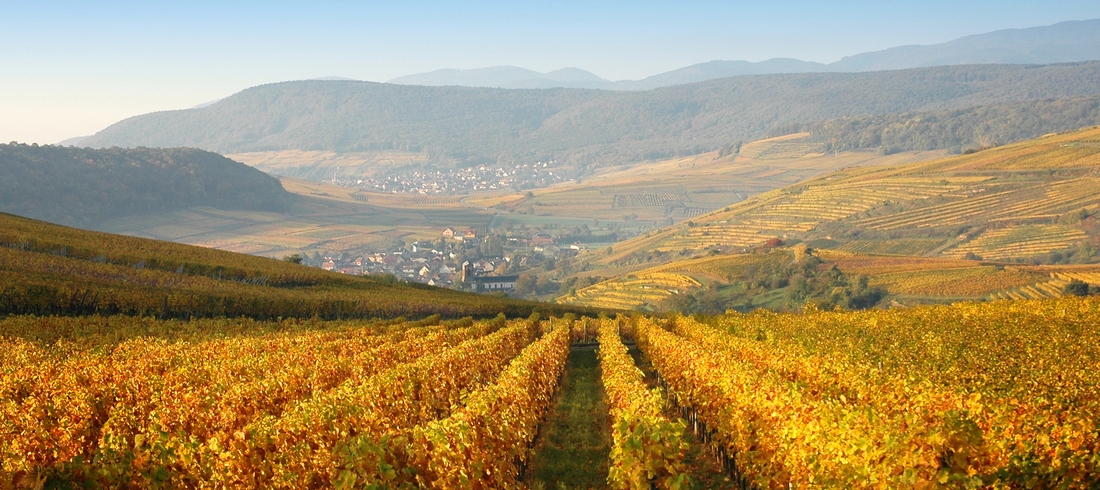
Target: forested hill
column 957, row 130
column 83, row 187
column 581, row 127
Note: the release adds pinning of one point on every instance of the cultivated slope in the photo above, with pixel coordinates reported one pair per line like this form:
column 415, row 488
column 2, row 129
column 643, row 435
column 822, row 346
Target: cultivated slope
column 51, row 269
column 1028, row 201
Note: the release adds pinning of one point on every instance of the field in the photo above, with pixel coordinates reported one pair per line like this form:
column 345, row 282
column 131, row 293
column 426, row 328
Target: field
column 136, row 363
column 324, row 218
column 933, row 395
column 324, row 165
column 907, row 279
column 1021, row 241
column 632, row 292
column 683, row 188
column 1014, row 202
column 629, row 200
column 329, row 219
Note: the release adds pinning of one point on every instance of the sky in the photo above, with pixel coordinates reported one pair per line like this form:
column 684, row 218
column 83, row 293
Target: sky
column 73, row 68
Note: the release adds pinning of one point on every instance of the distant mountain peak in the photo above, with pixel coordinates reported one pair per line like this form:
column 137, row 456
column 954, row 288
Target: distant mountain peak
column 1058, row 43
column 1063, row 42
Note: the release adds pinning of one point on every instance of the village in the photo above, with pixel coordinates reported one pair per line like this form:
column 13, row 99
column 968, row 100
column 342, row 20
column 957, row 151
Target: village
column 460, row 180
column 468, row 260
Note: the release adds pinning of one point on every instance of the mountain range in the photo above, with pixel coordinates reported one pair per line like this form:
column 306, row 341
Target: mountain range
column 1059, row 43
column 577, row 127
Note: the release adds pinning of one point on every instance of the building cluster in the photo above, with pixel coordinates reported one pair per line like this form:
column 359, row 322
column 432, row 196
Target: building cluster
column 461, row 180
column 457, row 260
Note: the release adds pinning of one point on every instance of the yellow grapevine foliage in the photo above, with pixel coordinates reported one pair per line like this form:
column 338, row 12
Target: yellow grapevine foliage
column 298, row 449
column 647, row 448
column 145, row 412
column 997, row 394
column 482, row 444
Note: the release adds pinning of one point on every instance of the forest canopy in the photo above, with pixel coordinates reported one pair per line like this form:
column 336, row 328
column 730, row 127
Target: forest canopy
column 581, row 128
column 84, row 187
column 956, row 130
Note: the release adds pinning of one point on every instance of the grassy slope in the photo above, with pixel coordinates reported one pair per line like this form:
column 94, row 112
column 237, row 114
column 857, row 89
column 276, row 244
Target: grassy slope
column 1009, row 202
column 573, row 447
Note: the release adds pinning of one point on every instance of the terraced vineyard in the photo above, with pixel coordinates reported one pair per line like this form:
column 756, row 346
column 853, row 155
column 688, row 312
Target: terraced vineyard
column 632, row 292
column 904, row 278
column 910, row 247
column 1013, row 202
column 641, row 200
column 962, row 282
column 1020, row 242
column 789, row 146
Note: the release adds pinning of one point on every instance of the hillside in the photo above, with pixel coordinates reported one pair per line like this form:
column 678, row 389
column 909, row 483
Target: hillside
column 954, row 130
column 778, row 279
column 85, row 187
column 1026, row 203
column 578, row 128
column 50, row 269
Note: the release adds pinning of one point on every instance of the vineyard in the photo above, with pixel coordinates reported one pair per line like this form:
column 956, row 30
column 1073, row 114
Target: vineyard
column 1020, row 241
column 913, row 398
column 910, row 247
column 961, row 282
column 1000, row 394
column 789, row 146
column 47, row 270
column 632, row 292
column 649, row 199
column 1020, row 202
column 285, row 409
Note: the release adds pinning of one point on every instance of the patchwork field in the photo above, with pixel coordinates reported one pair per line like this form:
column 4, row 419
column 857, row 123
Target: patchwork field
column 905, row 278
column 324, row 165
column 1009, row 203
column 629, row 200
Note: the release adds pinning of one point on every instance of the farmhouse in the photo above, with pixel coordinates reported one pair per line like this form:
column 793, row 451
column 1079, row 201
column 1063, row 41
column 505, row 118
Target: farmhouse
column 495, row 283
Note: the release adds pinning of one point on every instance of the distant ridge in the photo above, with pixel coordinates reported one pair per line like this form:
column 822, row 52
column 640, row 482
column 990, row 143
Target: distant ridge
column 505, row 77
column 1059, row 43
column 580, row 128
column 1063, row 42
column 74, row 141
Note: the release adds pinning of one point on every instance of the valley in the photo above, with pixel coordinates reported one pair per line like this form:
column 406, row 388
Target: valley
column 873, row 271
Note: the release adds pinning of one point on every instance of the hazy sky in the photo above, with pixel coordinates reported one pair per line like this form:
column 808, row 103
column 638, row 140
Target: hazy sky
column 73, row 68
